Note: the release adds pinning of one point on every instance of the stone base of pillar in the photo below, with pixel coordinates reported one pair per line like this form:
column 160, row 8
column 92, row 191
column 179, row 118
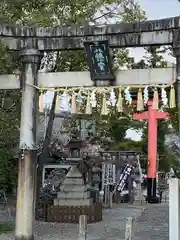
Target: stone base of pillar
column 24, row 238
column 151, row 191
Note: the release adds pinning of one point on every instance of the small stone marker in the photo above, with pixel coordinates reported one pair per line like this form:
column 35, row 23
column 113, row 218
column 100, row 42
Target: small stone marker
column 129, row 228
column 82, row 227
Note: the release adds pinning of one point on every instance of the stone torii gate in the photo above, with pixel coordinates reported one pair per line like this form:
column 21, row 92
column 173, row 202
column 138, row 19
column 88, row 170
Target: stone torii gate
column 31, row 42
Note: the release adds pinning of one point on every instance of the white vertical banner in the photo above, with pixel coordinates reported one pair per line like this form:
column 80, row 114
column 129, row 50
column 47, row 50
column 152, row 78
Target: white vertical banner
column 48, row 99
column 108, row 174
column 105, row 170
column 111, row 174
column 114, row 174
column 65, row 102
column 103, row 175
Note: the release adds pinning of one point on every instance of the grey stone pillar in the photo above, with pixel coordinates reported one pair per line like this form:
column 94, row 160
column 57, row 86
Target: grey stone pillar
column 25, row 211
column 176, row 50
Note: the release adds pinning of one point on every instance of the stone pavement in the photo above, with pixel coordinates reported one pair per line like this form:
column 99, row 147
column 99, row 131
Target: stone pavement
column 151, row 222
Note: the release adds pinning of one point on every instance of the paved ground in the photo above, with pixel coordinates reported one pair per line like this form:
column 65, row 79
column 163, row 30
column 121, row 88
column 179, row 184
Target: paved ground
column 151, row 223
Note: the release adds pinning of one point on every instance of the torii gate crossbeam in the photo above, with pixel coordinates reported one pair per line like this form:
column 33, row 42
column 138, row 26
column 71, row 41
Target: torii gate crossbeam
column 78, row 79
column 90, row 30
column 146, row 33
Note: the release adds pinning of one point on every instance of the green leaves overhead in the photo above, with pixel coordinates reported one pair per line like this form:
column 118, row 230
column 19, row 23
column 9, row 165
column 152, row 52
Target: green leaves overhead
column 61, row 12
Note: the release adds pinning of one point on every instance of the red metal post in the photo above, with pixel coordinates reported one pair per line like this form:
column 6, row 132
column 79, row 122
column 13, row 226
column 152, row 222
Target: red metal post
column 152, row 116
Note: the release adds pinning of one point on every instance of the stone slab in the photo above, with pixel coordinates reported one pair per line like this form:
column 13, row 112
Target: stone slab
column 78, row 79
column 72, row 188
column 72, row 202
column 142, row 39
column 74, row 173
column 73, row 195
column 73, row 181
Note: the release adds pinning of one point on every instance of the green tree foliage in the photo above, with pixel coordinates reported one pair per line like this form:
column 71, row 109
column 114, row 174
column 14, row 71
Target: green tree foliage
column 130, row 145
column 152, row 59
column 10, row 103
column 174, row 118
column 156, row 60
column 115, row 127
column 8, row 173
column 136, row 146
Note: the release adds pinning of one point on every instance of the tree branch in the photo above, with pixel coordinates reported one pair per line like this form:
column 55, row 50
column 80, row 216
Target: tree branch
column 106, row 14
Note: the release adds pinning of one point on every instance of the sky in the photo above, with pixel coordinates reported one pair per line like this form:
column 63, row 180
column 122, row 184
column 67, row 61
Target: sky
column 155, row 9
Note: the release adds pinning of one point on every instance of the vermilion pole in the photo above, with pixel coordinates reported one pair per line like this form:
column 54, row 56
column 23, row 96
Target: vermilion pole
column 152, row 116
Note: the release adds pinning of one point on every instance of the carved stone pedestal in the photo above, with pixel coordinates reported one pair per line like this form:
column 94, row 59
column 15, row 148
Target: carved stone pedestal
column 72, row 201
column 73, row 191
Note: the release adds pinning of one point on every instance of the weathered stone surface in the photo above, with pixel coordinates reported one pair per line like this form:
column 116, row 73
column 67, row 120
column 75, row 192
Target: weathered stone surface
column 69, row 188
column 59, row 31
column 73, row 191
column 74, row 43
column 74, row 202
column 71, row 181
column 24, row 238
column 153, row 224
column 73, row 195
column 77, row 79
column 119, row 35
column 74, row 173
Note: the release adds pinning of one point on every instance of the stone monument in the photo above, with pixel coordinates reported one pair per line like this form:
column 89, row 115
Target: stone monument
column 73, row 191
column 74, row 200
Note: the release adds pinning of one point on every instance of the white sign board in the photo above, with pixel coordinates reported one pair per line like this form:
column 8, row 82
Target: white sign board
column 109, row 174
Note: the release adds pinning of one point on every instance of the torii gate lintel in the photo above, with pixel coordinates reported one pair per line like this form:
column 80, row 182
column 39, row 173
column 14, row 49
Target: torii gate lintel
column 139, row 34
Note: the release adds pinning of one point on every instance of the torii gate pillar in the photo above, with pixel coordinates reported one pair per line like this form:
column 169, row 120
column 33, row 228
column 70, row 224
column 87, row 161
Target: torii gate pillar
column 152, row 116
column 176, row 50
column 25, row 208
